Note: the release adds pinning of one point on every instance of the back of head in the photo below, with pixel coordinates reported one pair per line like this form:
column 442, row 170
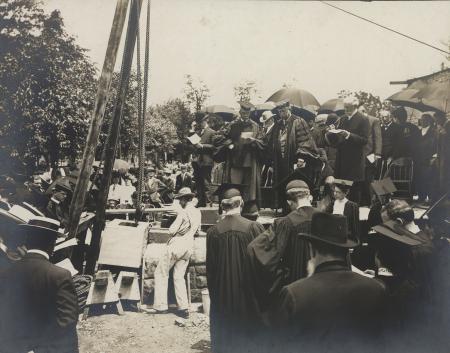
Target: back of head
column 400, row 114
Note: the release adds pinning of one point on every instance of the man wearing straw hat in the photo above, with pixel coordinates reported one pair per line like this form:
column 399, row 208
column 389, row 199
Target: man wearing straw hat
column 41, row 303
column 177, row 254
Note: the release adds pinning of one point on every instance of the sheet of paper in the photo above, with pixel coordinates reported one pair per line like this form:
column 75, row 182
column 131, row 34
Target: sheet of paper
column 371, row 158
column 22, row 213
column 246, row 135
column 67, row 264
column 194, row 139
column 66, row 244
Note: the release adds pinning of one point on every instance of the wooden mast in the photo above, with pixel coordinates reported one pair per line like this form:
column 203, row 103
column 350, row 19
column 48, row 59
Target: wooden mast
column 79, row 196
column 111, row 147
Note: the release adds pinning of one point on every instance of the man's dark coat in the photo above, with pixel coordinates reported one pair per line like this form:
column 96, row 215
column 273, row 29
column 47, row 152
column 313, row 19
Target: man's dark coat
column 41, row 307
column 181, row 182
column 334, row 310
column 350, row 158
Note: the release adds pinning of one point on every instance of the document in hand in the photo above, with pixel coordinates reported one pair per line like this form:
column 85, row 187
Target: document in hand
column 246, row 135
column 194, row 139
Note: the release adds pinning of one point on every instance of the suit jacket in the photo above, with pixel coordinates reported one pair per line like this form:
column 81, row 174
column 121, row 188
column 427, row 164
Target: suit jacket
column 375, row 139
column 181, row 183
column 41, row 307
column 427, row 146
column 409, row 135
column 334, row 306
column 350, row 158
column 391, row 137
column 205, row 153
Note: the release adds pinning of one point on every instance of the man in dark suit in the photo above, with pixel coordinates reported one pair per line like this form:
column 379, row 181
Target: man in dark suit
column 183, row 180
column 372, row 152
column 391, row 136
column 205, row 162
column 335, row 309
column 350, row 158
column 41, row 303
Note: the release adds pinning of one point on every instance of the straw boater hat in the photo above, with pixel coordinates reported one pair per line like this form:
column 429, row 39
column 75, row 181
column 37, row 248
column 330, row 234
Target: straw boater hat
column 41, row 230
column 184, row 192
column 330, row 229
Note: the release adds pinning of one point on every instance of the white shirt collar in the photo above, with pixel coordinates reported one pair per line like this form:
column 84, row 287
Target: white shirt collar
column 412, row 227
column 40, row 252
column 352, row 114
column 233, row 212
column 3, row 247
column 425, row 130
column 303, row 203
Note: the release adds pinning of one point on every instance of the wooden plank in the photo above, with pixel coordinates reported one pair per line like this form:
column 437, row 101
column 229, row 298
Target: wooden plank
column 123, row 244
column 79, row 195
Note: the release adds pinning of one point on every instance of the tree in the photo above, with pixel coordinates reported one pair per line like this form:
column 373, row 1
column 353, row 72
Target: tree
column 128, row 136
column 161, row 133
column 372, row 103
column 196, row 93
column 244, row 91
column 47, row 85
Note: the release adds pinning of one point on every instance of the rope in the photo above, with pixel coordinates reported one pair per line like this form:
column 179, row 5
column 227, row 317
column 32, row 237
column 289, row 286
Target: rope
column 387, row 28
column 142, row 106
column 140, row 127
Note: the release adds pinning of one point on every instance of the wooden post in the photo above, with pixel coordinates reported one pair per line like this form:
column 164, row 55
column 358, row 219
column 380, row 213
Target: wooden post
column 79, row 195
column 111, row 147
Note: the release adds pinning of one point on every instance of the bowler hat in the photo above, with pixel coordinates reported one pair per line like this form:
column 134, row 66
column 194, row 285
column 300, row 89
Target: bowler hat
column 330, row 229
column 184, row 192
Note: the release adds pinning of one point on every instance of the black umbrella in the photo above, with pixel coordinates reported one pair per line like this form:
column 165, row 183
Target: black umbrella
column 332, row 106
column 224, row 112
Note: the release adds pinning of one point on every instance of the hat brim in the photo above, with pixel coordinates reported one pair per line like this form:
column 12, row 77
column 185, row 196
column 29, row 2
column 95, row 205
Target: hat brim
column 27, row 228
column 180, row 196
column 347, row 245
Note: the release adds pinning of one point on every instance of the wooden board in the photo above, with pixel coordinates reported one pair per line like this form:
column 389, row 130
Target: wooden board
column 128, row 288
column 123, row 244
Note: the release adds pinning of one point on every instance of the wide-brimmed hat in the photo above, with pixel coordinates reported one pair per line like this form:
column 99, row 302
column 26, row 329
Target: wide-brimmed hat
column 330, row 229
column 266, row 116
column 184, row 192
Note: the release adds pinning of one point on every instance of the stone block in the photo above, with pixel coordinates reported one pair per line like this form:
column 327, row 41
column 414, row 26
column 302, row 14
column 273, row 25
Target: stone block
column 196, row 295
column 199, row 254
column 200, row 270
column 201, row 282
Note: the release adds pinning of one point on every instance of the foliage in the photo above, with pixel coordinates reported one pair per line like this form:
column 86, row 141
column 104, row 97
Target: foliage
column 128, row 136
column 47, row 85
column 196, row 93
column 245, row 91
column 372, row 103
column 161, row 133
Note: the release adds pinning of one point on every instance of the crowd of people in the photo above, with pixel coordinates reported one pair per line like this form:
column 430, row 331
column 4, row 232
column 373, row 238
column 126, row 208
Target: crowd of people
column 317, row 279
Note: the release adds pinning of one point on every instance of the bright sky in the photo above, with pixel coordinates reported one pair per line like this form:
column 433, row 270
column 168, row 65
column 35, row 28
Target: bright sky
column 306, row 44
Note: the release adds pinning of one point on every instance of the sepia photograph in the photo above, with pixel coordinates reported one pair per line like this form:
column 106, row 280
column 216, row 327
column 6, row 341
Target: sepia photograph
column 224, row 176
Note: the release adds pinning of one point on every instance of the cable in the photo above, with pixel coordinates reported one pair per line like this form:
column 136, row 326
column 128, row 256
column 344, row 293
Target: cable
column 387, row 28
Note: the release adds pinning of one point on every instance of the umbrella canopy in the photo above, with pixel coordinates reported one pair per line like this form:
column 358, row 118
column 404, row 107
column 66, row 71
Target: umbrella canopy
column 332, row 106
column 121, row 166
column 434, row 96
column 297, row 97
column 226, row 113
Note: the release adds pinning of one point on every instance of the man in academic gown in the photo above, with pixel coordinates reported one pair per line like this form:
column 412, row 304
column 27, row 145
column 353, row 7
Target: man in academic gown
column 244, row 149
column 233, row 311
column 350, row 158
column 278, row 255
column 289, row 137
column 40, row 301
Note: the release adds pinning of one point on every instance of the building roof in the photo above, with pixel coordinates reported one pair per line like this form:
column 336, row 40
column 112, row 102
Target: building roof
column 412, row 80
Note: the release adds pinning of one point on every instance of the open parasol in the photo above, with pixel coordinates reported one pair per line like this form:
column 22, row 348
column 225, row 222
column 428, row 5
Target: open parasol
column 332, row 106
column 224, row 112
column 303, row 103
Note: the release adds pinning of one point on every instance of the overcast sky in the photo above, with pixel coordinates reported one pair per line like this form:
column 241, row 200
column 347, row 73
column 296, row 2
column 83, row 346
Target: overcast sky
column 306, row 44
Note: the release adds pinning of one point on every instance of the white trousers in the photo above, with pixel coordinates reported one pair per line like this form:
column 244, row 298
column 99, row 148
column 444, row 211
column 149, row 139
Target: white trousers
column 177, row 256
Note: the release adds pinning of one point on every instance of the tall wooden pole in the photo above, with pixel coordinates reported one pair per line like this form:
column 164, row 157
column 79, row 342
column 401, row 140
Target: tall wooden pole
column 111, row 147
column 79, row 195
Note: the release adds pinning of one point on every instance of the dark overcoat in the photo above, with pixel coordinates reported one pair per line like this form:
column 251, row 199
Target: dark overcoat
column 334, row 310
column 41, row 307
column 350, row 158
